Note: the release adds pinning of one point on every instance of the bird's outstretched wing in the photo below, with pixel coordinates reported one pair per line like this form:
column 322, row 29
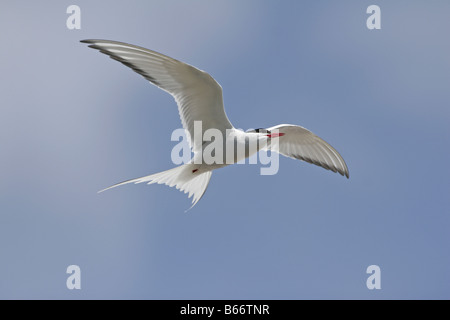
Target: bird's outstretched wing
column 300, row 143
column 198, row 95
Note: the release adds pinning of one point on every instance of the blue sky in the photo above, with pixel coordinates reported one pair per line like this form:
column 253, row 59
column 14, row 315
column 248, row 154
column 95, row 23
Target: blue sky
column 73, row 122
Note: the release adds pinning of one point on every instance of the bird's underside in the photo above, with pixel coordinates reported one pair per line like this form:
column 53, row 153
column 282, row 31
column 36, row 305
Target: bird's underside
column 199, row 99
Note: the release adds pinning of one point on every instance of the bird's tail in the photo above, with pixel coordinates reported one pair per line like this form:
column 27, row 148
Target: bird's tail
column 185, row 178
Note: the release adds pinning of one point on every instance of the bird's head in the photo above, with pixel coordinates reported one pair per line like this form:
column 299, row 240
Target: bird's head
column 260, row 130
column 268, row 133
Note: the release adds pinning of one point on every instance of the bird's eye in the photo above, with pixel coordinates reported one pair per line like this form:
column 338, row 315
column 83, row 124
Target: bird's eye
column 259, row 130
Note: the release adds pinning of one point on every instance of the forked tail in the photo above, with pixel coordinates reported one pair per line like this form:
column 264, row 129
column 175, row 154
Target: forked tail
column 184, row 178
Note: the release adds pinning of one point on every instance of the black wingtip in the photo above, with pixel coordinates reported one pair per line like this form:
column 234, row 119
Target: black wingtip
column 88, row 41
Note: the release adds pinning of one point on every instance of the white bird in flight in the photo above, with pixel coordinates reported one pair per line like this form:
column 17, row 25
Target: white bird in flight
column 199, row 98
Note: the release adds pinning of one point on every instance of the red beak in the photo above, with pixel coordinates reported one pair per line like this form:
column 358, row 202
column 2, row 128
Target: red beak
column 276, row 135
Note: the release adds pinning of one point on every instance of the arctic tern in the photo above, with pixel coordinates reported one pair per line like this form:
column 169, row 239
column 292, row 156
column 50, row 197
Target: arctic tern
column 199, row 98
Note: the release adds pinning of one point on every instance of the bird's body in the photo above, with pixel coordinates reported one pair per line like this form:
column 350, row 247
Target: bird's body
column 200, row 105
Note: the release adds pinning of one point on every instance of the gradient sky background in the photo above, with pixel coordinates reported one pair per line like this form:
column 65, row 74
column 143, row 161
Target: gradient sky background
column 73, row 121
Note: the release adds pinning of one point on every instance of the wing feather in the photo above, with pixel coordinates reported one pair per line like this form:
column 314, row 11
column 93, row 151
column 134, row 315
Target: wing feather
column 198, row 95
column 300, row 143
